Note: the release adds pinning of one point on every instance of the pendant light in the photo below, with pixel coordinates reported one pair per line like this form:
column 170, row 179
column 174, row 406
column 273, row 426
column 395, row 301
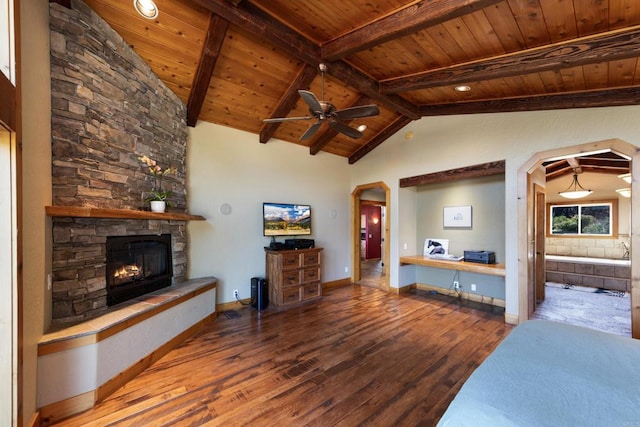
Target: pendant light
column 575, row 190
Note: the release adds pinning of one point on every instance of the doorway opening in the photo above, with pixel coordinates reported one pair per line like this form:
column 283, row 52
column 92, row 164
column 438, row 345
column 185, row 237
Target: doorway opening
column 370, row 237
column 532, row 213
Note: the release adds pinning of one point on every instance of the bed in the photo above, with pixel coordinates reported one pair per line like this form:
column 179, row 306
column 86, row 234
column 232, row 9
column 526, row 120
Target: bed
column 551, row 374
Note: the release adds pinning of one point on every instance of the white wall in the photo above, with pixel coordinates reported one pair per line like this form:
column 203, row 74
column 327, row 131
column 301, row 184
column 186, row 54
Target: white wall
column 230, row 166
column 36, row 160
column 441, row 143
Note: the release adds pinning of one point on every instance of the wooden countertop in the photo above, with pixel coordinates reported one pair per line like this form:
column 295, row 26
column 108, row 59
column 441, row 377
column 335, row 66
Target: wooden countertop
column 472, row 267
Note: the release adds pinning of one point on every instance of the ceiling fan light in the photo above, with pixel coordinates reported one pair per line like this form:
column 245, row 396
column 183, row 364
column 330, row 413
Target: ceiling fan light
column 626, row 177
column 575, row 190
column 624, row 192
column 146, row 8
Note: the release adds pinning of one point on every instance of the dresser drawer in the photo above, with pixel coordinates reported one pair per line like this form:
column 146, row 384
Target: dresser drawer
column 290, row 261
column 290, row 295
column 291, row 278
column 311, row 259
column 310, row 275
column 310, row 291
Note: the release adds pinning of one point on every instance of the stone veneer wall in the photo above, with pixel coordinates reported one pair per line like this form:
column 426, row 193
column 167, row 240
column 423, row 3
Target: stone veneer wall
column 108, row 108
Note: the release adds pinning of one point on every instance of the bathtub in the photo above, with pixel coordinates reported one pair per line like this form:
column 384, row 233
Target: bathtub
column 602, row 273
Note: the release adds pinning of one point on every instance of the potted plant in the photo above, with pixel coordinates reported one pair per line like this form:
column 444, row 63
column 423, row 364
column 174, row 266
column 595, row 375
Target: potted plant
column 158, row 197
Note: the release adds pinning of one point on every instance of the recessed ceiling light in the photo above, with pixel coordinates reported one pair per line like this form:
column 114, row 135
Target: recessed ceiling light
column 463, row 88
column 146, row 8
column 361, row 128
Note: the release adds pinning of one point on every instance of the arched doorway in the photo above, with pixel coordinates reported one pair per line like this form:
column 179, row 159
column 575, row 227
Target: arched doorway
column 526, row 223
column 355, row 229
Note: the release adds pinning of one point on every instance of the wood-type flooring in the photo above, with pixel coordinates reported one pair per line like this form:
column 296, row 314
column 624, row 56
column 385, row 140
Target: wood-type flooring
column 359, row 356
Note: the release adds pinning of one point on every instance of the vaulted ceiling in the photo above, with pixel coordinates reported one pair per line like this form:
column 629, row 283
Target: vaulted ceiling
column 237, row 62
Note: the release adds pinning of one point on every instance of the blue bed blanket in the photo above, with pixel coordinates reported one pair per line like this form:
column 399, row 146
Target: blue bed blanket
column 551, row 374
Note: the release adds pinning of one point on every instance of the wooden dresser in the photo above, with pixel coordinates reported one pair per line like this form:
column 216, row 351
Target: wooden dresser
column 293, row 276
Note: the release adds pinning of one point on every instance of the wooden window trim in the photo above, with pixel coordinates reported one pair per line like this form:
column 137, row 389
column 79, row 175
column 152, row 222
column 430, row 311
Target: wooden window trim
column 614, row 220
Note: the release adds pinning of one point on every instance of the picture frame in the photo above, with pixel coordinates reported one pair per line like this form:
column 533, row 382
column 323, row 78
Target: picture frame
column 457, row 216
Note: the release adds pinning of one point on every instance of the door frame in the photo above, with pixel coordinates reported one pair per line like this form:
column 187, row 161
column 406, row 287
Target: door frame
column 355, row 229
column 526, row 217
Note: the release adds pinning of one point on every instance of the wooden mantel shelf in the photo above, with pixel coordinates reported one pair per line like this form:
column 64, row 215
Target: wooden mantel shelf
column 472, row 267
column 88, row 212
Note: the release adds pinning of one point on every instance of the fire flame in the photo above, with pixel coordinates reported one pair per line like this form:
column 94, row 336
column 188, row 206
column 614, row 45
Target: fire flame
column 127, row 271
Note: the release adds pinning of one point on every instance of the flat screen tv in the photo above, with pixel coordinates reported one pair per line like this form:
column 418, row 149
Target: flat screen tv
column 285, row 219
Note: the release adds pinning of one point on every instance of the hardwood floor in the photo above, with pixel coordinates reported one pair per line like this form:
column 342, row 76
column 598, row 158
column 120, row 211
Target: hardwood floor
column 359, row 356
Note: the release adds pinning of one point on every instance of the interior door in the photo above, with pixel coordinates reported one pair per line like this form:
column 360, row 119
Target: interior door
column 540, row 203
column 373, row 233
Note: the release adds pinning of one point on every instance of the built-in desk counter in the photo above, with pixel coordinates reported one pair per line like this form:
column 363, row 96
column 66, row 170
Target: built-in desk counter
column 472, row 267
column 492, row 283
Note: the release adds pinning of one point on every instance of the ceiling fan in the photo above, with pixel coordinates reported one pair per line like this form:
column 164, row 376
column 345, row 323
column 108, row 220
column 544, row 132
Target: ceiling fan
column 324, row 111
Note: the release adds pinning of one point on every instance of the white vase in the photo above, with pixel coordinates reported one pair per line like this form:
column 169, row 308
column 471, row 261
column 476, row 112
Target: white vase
column 158, row 205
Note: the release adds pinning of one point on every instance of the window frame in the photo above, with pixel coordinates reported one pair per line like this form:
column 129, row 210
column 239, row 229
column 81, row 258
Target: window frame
column 613, row 219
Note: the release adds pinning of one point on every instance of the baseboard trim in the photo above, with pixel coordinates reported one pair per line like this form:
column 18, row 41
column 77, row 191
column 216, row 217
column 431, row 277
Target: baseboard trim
column 464, row 295
column 124, row 377
column 337, row 283
column 511, row 319
column 65, row 408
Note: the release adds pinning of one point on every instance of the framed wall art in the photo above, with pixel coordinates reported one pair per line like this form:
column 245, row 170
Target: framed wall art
column 457, row 217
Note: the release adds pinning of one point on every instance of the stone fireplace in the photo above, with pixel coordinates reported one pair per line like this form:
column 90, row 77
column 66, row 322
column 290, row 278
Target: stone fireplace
column 108, row 109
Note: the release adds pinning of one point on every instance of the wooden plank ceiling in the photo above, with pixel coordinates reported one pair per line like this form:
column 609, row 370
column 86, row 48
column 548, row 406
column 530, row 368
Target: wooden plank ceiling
column 238, row 62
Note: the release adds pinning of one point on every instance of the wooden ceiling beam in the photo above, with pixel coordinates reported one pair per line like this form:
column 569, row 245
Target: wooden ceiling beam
column 250, row 18
column 201, row 80
column 467, row 172
column 574, row 164
column 354, row 78
column 381, row 137
column 595, row 98
column 403, row 22
column 603, row 47
column 288, row 101
column 320, row 142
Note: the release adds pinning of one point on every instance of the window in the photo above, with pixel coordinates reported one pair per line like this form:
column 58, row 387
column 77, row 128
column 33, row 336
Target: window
column 583, row 219
column 7, row 52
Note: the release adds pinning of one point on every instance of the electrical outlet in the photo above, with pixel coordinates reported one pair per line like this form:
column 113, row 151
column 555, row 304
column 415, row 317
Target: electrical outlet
column 346, row 269
column 473, row 287
column 456, row 285
column 235, row 293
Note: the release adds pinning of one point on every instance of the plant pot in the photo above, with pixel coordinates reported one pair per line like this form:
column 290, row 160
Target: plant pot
column 158, row 205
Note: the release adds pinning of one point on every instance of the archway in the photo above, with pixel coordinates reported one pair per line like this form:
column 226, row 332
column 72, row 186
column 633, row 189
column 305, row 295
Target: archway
column 526, row 238
column 355, row 229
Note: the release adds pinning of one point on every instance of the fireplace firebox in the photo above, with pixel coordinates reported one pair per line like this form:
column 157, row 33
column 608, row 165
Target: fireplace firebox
column 137, row 265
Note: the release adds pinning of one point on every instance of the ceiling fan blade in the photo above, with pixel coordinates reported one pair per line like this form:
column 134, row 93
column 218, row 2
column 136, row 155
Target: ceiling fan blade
column 312, row 102
column 285, row 119
column 311, row 131
column 356, row 112
column 342, row 128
